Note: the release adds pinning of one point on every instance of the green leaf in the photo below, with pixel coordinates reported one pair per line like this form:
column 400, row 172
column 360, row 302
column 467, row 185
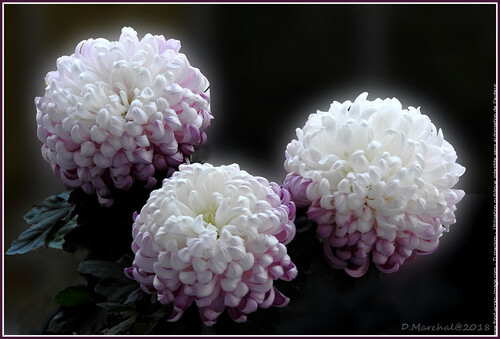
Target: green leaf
column 55, row 238
column 42, row 217
column 117, row 308
column 103, row 269
column 62, row 322
column 80, row 319
column 72, row 296
column 111, row 306
column 115, row 289
column 69, row 319
column 124, row 325
column 134, row 296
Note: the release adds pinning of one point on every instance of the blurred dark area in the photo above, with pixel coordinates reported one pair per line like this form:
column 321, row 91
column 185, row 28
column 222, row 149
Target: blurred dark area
column 270, row 66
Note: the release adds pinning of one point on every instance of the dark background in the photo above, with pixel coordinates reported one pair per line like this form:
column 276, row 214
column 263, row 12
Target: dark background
column 270, row 66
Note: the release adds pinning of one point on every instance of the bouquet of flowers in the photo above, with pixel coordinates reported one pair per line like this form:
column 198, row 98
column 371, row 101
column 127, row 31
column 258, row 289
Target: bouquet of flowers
column 172, row 245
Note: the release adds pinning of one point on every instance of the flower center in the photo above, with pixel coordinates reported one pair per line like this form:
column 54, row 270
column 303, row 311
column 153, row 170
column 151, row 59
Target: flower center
column 209, row 215
column 126, row 98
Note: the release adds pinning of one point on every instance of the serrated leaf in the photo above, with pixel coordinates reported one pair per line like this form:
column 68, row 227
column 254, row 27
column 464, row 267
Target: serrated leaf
column 103, row 269
column 55, row 238
column 124, row 325
column 43, row 211
column 42, row 217
column 72, row 296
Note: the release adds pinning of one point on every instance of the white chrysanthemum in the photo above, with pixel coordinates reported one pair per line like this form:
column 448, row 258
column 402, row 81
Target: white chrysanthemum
column 377, row 179
column 116, row 112
column 214, row 236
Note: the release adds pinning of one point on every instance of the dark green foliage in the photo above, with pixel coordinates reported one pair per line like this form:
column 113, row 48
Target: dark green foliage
column 72, row 296
column 121, row 327
column 55, row 238
column 49, row 220
column 102, row 269
column 111, row 303
column 79, row 319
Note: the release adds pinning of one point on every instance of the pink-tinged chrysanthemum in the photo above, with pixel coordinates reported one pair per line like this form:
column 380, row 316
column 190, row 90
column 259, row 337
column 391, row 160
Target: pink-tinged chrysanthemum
column 116, row 112
column 377, row 179
column 214, row 236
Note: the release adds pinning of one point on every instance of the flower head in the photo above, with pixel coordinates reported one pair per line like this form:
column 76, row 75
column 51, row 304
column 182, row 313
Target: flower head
column 214, row 236
column 378, row 181
column 116, row 112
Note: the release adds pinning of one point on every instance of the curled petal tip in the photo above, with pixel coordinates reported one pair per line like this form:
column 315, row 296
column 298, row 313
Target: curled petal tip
column 380, row 176
column 220, row 243
column 93, row 137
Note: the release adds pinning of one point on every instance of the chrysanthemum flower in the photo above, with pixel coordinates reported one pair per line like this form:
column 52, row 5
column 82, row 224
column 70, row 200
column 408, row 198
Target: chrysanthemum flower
column 117, row 112
column 376, row 179
column 214, row 236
